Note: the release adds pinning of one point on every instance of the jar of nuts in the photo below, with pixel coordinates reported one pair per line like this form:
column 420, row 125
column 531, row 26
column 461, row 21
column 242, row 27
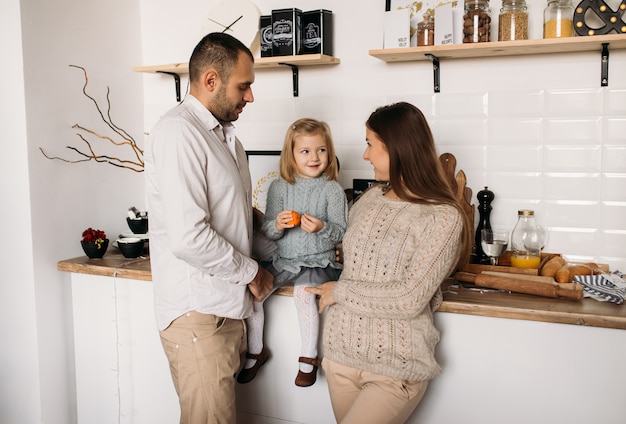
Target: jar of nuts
column 476, row 21
column 513, row 21
column 426, row 31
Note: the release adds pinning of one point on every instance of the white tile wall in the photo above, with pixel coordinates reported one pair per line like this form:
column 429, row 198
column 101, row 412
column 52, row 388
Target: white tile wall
column 539, row 131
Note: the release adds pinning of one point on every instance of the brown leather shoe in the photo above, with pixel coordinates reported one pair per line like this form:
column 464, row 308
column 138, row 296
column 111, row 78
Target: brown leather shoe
column 306, row 379
column 246, row 375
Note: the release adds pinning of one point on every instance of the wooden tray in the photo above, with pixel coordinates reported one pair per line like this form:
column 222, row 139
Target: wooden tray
column 504, row 265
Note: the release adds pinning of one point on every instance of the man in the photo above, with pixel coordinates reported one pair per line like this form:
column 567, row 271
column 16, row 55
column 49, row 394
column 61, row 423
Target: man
column 199, row 199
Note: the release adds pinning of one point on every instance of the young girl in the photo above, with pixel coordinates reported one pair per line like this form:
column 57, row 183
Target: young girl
column 305, row 254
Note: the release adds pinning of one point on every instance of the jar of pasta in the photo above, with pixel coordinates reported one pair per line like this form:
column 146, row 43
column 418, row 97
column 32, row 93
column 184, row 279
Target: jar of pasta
column 513, row 21
column 558, row 19
column 476, row 21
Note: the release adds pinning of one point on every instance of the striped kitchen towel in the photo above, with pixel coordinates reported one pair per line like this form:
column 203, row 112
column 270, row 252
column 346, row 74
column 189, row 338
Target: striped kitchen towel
column 605, row 287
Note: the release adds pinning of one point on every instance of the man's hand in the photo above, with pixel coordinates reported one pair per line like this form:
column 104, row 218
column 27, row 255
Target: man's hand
column 261, row 285
column 325, row 293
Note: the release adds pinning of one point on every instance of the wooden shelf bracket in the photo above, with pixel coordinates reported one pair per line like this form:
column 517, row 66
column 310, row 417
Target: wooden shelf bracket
column 604, row 77
column 295, row 74
column 436, row 77
column 176, row 82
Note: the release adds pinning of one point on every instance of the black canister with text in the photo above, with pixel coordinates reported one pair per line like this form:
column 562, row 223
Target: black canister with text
column 286, row 32
column 317, row 32
column 265, row 35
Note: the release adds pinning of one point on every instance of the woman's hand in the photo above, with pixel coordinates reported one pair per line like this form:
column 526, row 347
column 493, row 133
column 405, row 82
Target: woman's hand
column 325, row 293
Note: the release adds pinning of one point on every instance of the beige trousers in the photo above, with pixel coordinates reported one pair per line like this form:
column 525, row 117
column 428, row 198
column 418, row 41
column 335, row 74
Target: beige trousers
column 204, row 353
column 363, row 397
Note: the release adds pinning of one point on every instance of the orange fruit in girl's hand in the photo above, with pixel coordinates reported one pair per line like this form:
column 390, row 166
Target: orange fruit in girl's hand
column 295, row 219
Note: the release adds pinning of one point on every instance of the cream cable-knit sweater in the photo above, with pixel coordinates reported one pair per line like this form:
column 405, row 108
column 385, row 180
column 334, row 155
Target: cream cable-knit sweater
column 396, row 255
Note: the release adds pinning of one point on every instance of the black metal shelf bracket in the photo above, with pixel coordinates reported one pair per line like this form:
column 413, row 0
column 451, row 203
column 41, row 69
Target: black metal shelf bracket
column 436, row 80
column 604, row 78
column 176, row 82
column 294, row 72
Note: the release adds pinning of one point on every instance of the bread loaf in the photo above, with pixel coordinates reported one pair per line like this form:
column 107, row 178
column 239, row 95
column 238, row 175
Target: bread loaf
column 566, row 273
column 552, row 266
column 562, row 275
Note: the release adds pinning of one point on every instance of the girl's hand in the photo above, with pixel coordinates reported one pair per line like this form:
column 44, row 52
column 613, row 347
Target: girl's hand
column 283, row 220
column 310, row 224
column 325, row 293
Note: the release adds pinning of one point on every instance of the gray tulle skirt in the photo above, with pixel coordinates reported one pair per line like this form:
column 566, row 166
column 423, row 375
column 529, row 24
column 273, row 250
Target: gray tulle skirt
column 307, row 276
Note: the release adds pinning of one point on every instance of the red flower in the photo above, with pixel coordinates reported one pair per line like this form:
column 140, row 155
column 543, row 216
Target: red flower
column 94, row 236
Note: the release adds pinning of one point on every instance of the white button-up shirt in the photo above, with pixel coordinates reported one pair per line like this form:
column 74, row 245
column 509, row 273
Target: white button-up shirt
column 198, row 195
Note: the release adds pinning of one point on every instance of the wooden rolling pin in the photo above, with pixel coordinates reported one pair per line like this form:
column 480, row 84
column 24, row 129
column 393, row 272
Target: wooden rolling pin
column 538, row 286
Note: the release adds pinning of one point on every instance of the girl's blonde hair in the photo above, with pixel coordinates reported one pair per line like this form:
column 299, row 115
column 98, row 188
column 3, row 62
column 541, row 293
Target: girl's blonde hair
column 307, row 126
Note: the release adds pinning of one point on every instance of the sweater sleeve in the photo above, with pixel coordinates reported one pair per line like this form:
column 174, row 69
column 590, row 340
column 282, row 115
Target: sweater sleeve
column 434, row 255
column 337, row 212
column 275, row 200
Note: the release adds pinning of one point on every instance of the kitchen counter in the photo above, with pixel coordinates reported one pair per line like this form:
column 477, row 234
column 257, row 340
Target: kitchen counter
column 459, row 298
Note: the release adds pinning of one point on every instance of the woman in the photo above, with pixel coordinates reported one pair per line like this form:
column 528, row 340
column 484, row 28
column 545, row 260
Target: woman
column 403, row 239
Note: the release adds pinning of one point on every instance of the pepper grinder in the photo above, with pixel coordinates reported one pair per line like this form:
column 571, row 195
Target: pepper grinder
column 485, row 197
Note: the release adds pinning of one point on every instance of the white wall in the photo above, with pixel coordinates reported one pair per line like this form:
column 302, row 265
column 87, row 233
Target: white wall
column 538, row 130
column 47, row 204
column 19, row 372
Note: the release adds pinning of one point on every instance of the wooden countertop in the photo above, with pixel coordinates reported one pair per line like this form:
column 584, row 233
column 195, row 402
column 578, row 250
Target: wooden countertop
column 459, row 298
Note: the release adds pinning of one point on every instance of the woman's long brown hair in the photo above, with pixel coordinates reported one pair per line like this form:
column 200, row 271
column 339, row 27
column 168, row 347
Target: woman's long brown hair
column 415, row 172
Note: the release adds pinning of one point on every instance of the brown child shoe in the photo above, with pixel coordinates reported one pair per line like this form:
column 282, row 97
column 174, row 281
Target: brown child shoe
column 306, row 379
column 247, row 374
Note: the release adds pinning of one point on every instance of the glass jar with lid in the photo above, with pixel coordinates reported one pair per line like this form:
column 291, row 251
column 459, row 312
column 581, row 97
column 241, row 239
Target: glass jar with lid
column 426, row 31
column 558, row 17
column 476, row 21
column 513, row 21
column 527, row 241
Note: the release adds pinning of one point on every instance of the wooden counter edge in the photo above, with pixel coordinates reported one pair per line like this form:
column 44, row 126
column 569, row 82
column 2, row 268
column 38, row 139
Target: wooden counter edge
column 468, row 303
column 108, row 268
column 589, row 320
column 500, row 304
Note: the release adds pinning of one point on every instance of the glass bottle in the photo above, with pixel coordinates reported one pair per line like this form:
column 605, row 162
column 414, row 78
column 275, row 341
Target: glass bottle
column 426, row 31
column 476, row 21
column 513, row 21
column 526, row 241
column 558, row 19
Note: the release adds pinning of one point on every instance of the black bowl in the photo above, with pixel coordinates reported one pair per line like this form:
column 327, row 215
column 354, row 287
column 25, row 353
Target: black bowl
column 138, row 226
column 130, row 247
column 93, row 251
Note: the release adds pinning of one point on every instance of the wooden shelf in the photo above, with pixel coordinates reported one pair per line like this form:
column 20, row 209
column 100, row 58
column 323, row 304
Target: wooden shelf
column 293, row 62
column 259, row 63
column 502, row 48
column 598, row 43
column 300, row 60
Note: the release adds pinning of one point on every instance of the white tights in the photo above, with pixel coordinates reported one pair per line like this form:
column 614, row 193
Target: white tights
column 308, row 320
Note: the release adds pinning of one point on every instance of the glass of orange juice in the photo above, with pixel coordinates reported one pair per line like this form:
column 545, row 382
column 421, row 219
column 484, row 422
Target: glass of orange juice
column 521, row 260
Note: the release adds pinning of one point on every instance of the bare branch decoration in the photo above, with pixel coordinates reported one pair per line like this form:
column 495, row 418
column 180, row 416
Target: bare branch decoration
column 135, row 164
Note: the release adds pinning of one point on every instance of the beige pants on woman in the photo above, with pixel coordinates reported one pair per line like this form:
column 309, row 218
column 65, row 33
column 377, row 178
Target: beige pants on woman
column 363, row 397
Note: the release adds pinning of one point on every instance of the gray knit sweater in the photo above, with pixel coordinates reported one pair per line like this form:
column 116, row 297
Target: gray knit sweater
column 396, row 255
column 318, row 197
